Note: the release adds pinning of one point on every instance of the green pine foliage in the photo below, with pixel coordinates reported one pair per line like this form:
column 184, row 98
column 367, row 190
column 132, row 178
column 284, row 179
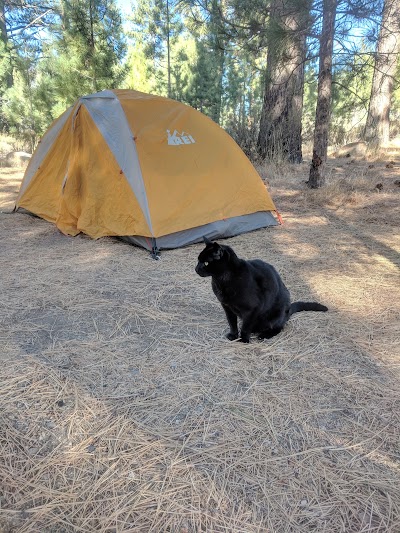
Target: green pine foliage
column 156, row 27
column 210, row 54
column 81, row 52
column 87, row 55
column 138, row 76
column 5, row 67
column 351, row 91
column 22, row 108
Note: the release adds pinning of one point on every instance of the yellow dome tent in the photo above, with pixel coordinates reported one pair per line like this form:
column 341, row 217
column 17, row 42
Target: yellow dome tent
column 146, row 168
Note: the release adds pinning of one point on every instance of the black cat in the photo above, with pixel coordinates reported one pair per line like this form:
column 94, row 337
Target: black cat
column 250, row 290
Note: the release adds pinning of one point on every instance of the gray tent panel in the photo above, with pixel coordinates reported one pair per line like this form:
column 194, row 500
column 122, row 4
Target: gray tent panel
column 214, row 230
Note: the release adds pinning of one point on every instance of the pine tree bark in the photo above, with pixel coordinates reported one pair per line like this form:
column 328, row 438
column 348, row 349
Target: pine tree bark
column 280, row 134
column 92, row 46
column 9, row 80
column 3, row 29
column 218, row 47
column 376, row 131
column 168, row 29
column 324, row 98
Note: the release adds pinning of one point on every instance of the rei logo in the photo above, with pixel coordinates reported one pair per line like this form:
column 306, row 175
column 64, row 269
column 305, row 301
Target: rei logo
column 179, row 138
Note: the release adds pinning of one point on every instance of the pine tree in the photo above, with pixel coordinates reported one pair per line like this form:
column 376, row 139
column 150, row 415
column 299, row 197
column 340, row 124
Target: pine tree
column 242, row 99
column 21, row 40
column 81, row 54
column 281, row 119
column 137, row 76
column 87, row 53
column 6, row 78
column 27, row 109
column 216, row 44
column 386, row 59
column 157, row 27
column 323, row 112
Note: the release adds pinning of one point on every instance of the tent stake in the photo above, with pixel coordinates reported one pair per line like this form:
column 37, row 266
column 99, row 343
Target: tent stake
column 155, row 252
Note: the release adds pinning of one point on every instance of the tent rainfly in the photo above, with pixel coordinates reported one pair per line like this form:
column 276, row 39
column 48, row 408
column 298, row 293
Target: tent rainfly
column 146, row 168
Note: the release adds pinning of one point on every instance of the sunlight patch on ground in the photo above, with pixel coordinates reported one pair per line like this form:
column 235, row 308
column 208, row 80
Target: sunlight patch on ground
column 304, row 220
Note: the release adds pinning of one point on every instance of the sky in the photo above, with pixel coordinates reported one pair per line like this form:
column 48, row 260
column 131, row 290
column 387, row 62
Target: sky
column 125, row 6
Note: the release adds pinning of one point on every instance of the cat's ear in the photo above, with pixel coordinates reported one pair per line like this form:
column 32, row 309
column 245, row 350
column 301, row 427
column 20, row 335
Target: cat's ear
column 218, row 252
column 207, row 241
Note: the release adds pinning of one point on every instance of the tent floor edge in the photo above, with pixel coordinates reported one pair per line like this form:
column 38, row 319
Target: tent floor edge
column 220, row 229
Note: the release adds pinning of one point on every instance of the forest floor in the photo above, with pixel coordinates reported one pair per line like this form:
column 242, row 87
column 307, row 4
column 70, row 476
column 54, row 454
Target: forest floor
column 124, row 409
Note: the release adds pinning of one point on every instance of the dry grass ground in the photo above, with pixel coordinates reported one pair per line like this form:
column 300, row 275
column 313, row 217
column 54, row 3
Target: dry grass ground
column 124, row 409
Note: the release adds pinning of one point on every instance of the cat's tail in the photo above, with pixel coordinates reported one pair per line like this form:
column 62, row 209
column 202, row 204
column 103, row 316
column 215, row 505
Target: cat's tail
column 296, row 307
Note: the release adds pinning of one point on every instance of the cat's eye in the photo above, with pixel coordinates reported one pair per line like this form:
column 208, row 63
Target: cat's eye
column 205, row 263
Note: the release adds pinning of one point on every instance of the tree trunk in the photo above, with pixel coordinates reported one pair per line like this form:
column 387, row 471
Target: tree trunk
column 324, row 98
column 169, row 93
column 218, row 47
column 3, row 29
column 377, row 126
column 8, row 76
column 220, row 88
column 280, row 124
column 92, row 46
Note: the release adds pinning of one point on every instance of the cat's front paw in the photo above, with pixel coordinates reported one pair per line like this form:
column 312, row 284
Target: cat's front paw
column 232, row 336
column 245, row 339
